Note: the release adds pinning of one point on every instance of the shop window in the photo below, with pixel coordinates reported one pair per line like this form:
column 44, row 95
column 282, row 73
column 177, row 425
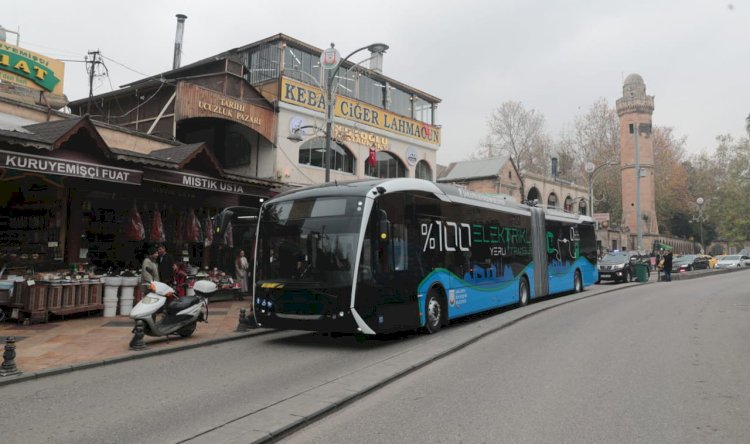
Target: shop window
column 422, row 110
column 423, row 170
column 312, row 152
column 370, row 91
column 302, row 66
column 387, row 165
column 263, row 63
column 399, row 101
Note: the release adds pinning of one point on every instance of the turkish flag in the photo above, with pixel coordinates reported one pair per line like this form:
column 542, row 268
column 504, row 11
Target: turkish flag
column 372, row 160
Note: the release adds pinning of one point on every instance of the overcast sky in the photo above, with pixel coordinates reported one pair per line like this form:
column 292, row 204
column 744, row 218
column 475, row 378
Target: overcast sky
column 557, row 57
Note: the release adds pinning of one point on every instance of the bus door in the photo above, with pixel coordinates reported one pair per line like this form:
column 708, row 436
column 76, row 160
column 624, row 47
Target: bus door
column 388, row 274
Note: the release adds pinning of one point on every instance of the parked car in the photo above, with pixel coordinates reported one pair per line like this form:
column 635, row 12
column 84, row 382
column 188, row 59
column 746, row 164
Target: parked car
column 711, row 260
column 733, row 261
column 619, row 266
column 689, row 262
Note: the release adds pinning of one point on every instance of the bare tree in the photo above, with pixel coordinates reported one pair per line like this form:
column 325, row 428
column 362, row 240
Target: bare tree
column 518, row 132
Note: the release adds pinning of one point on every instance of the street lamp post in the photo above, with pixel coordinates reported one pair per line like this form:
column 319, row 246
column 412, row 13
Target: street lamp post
column 700, row 218
column 376, row 48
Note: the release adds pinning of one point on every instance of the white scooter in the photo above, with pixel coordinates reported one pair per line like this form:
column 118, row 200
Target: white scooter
column 161, row 317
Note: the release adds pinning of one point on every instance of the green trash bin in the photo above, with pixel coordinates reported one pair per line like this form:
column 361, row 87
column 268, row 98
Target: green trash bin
column 641, row 272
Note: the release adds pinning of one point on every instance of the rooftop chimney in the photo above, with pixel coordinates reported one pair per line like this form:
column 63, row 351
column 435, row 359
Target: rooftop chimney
column 178, row 40
column 376, row 61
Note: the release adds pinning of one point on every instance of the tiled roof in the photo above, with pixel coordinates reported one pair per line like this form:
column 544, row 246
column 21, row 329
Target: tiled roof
column 473, row 169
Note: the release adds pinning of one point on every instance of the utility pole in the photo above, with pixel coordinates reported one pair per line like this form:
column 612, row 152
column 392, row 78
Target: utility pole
column 95, row 59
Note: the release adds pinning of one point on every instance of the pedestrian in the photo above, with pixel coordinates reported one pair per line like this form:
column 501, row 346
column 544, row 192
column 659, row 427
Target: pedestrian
column 240, row 267
column 180, row 279
column 166, row 263
column 668, row 266
column 149, row 268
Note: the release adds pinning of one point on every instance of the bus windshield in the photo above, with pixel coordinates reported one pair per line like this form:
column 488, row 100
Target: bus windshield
column 309, row 240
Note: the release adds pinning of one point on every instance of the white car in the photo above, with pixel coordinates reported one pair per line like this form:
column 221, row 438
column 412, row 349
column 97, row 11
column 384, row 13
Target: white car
column 734, row 261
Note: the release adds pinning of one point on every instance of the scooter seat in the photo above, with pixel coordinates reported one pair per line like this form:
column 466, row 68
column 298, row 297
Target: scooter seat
column 178, row 305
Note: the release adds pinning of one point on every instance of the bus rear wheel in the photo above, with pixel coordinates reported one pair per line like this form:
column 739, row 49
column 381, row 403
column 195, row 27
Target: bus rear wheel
column 434, row 311
column 523, row 292
column 577, row 282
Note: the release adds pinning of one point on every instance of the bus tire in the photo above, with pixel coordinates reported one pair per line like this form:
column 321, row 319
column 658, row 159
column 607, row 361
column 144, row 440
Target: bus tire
column 523, row 292
column 577, row 282
column 434, row 311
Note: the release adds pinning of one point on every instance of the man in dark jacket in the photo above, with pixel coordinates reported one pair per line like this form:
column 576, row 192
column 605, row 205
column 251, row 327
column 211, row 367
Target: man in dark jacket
column 667, row 266
column 166, row 261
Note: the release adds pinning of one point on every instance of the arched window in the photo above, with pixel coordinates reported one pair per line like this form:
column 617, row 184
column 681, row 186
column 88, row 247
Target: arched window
column 313, row 151
column 582, row 207
column 533, row 194
column 423, row 170
column 552, row 201
column 387, row 165
column 568, row 205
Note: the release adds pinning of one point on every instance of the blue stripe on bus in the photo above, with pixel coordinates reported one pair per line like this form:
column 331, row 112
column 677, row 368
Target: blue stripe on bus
column 468, row 297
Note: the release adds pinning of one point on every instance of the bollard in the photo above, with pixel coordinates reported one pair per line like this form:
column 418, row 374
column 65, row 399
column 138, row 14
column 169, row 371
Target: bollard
column 137, row 343
column 9, row 358
column 242, row 324
column 245, row 323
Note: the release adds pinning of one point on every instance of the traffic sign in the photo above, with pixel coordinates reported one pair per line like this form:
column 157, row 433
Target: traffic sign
column 330, row 58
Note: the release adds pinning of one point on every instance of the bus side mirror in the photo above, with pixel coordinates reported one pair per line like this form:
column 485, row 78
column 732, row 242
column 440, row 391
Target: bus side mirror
column 221, row 221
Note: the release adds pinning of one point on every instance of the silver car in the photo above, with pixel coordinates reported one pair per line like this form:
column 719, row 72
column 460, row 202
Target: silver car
column 733, row 261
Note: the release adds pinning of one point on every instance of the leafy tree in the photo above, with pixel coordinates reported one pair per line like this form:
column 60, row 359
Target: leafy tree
column 730, row 204
column 670, row 181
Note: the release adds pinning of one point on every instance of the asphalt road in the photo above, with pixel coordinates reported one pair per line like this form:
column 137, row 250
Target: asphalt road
column 663, row 363
column 606, row 366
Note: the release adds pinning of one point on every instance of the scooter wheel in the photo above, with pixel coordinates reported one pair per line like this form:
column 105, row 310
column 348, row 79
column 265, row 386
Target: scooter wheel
column 187, row 330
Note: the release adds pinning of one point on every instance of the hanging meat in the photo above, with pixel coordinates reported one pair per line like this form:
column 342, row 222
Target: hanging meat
column 179, row 227
column 134, row 230
column 157, row 228
column 193, row 226
column 228, row 236
column 208, row 239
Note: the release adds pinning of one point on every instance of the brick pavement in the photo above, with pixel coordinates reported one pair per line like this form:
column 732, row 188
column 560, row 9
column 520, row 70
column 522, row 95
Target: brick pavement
column 89, row 340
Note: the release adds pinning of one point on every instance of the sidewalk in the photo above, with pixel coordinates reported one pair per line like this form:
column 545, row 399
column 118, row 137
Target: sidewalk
column 63, row 345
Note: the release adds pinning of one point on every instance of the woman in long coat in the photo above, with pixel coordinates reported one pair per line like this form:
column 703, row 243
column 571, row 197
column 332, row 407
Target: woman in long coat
column 240, row 267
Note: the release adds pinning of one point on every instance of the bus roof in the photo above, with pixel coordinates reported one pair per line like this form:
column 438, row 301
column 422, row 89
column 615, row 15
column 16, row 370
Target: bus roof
column 444, row 192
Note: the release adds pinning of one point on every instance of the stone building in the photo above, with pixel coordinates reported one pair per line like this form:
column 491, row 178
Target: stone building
column 487, row 176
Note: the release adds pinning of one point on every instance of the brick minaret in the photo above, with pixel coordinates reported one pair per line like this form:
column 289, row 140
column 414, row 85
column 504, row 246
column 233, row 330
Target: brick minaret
column 635, row 109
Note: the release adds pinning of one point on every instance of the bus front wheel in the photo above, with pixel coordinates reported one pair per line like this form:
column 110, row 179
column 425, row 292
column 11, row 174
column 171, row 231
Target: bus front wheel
column 434, row 311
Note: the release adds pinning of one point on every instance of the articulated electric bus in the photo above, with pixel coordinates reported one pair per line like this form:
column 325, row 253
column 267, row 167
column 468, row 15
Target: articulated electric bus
column 386, row 255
